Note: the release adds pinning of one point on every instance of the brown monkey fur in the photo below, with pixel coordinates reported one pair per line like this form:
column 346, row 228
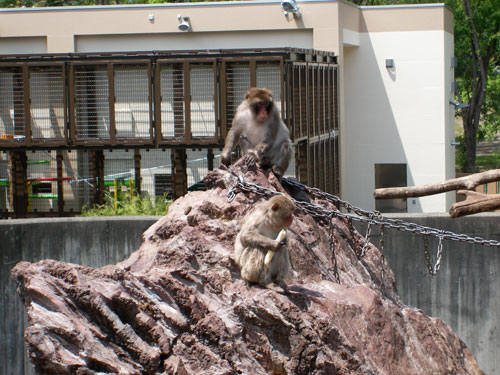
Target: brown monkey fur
column 257, row 236
column 258, row 129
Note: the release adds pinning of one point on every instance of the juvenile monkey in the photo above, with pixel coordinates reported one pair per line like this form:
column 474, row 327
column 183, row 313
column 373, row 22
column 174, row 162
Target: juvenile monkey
column 263, row 259
column 259, row 130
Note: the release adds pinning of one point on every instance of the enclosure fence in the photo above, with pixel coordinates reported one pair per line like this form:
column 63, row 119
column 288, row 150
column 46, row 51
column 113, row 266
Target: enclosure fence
column 77, row 128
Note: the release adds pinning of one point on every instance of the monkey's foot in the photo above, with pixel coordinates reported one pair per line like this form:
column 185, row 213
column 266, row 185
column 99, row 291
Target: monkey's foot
column 278, row 172
column 281, row 288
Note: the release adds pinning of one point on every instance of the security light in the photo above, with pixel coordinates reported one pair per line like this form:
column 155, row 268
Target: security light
column 184, row 24
column 459, row 105
column 290, row 6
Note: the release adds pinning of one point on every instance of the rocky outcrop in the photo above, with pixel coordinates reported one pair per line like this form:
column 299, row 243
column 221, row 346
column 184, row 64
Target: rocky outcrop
column 179, row 306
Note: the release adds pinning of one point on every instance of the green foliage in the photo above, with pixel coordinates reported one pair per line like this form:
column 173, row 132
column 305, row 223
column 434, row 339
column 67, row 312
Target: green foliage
column 129, row 206
column 483, row 162
column 460, row 157
column 490, row 113
column 487, row 162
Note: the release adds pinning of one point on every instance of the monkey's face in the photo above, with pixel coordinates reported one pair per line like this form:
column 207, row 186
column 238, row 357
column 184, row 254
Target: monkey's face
column 283, row 208
column 261, row 102
column 261, row 110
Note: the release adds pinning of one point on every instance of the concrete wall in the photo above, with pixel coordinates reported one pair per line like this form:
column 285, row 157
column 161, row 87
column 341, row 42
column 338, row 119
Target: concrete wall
column 465, row 293
column 93, row 242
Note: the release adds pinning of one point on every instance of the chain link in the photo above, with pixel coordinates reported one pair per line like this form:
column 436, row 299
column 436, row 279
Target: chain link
column 358, row 214
column 332, row 251
column 433, row 270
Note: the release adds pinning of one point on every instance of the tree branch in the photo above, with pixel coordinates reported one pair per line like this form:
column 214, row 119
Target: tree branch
column 467, row 182
column 474, row 203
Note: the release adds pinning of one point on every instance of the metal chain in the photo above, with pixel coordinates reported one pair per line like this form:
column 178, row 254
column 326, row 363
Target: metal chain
column 368, row 217
column 332, row 251
column 381, row 242
column 433, row 270
column 385, row 222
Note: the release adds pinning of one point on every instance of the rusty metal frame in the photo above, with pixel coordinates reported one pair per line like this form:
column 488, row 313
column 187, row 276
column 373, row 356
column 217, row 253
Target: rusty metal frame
column 112, row 139
column 72, row 84
column 50, row 142
column 132, row 140
column 187, row 138
column 22, row 69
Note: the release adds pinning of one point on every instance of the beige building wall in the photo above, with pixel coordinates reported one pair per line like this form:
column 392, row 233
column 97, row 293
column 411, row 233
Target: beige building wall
column 400, row 115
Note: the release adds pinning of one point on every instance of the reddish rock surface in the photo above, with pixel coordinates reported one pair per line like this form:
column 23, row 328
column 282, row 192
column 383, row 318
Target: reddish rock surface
column 179, row 306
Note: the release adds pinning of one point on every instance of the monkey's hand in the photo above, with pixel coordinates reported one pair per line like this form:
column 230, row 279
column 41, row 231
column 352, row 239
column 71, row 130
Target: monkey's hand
column 261, row 151
column 262, row 148
column 281, row 238
column 281, row 241
column 251, row 158
column 225, row 159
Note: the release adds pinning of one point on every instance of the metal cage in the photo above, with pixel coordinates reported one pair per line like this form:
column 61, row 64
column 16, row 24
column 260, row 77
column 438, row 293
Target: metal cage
column 96, row 120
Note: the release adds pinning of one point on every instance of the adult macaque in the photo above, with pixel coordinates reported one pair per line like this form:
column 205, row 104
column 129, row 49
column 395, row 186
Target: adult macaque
column 258, row 129
column 260, row 248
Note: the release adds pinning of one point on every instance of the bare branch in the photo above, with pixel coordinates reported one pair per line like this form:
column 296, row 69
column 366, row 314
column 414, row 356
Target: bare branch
column 474, row 203
column 467, row 182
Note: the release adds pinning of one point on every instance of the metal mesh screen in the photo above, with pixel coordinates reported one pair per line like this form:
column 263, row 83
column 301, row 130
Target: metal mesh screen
column 156, row 173
column 269, row 76
column 41, row 181
column 314, row 124
column 92, row 102
column 237, row 83
column 197, row 164
column 78, row 191
column 118, row 174
column 172, row 101
column 132, row 101
column 299, row 86
column 4, row 183
column 12, row 118
column 202, row 89
column 47, row 103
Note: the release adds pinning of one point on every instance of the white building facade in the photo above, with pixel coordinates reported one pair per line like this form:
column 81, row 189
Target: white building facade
column 396, row 71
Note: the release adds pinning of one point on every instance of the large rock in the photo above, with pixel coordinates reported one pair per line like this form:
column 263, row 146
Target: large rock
column 179, row 306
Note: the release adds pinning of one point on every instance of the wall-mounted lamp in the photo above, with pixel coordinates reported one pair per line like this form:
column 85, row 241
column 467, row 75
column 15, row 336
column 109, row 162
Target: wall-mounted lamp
column 389, row 63
column 151, row 18
column 184, row 23
column 290, row 6
column 458, row 105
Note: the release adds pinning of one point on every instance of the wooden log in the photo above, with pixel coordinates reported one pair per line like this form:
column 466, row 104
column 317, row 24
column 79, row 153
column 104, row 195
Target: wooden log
column 467, row 182
column 474, row 203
